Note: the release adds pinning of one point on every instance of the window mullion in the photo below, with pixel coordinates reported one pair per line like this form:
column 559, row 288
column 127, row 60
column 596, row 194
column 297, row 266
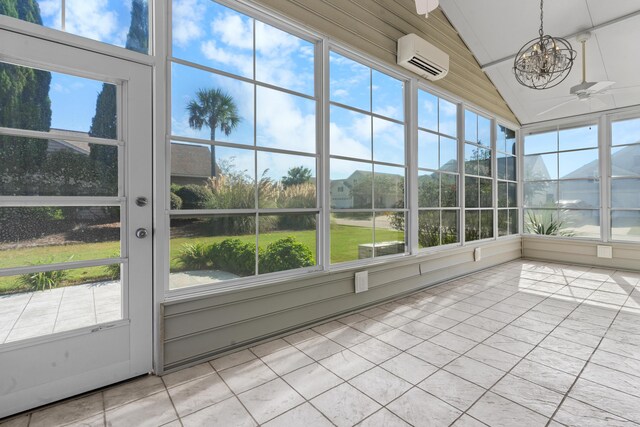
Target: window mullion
column 461, row 173
column 411, row 132
column 324, row 89
column 604, row 145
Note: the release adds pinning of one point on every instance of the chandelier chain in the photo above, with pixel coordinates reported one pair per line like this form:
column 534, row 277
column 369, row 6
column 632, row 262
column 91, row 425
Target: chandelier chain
column 541, row 32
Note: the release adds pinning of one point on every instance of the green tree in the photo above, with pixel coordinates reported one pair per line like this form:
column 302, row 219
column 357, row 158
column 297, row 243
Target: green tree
column 24, row 102
column 105, row 122
column 296, row 175
column 138, row 36
column 214, row 109
column 26, row 10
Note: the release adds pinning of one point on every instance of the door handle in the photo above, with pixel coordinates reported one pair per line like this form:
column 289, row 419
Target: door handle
column 142, row 201
column 141, row 233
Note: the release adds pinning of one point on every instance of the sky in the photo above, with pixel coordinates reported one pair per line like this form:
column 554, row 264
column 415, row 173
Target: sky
column 214, row 36
column 73, row 99
column 584, row 139
column 103, row 20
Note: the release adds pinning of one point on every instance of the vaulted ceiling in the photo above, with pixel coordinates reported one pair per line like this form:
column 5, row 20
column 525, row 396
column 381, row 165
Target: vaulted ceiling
column 495, row 30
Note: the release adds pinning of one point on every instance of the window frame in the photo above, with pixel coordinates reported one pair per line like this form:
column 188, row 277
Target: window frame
column 463, row 173
column 459, row 208
column 608, row 179
column 324, row 44
column 318, row 42
column 518, row 181
column 351, row 54
column 556, row 127
column 156, row 10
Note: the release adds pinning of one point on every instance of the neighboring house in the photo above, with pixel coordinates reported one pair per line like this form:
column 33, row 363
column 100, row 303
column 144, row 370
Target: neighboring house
column 341, row 197
column 580, row 188
column 346, row 193
column 56, row 145
column 190, row 164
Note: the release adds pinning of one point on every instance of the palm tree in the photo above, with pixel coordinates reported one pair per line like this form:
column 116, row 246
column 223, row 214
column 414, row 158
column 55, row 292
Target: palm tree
column 215, row 109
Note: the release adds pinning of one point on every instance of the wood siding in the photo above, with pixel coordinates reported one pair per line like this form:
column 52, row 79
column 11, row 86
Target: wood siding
column 625, row 256
column 203, row 327
column 374, row 26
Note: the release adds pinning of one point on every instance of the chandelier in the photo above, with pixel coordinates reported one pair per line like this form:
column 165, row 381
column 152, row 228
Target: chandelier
column 543, row 62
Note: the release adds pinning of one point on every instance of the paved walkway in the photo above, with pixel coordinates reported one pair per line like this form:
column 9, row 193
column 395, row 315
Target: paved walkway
column 33, row 314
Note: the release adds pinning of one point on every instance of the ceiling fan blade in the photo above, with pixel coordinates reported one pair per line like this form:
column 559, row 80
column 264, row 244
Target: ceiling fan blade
column 600, row 86
column 556, row 107
column 622, row 90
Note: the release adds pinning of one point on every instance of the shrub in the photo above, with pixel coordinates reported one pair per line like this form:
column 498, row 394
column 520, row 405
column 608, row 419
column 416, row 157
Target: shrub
column 285, row 254
column 233, row 256
column 43, row 280
column 549, row 226
column 176, row 201
column 194, row 256
column 112, row 271
column 297, row 196
column 195, row 196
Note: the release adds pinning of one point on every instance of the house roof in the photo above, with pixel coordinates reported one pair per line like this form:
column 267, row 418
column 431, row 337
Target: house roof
column 190, row 160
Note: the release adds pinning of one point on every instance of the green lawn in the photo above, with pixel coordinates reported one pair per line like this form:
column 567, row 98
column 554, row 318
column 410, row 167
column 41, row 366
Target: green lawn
column 344, row 247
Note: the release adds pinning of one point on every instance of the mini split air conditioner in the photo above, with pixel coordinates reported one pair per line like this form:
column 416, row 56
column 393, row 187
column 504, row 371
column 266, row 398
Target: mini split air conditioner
column 421, row 57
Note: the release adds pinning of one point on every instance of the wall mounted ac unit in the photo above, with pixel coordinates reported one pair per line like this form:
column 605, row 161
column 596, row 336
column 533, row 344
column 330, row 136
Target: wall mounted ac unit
column 421, row 57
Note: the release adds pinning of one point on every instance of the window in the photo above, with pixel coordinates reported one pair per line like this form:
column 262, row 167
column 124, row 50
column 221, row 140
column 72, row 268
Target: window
column 116, row 22
column 625, row 180
column 243, row 148
column 438, row 202
column 478, row 180
column 507, row 181
column 367, row 158
column 562, row 183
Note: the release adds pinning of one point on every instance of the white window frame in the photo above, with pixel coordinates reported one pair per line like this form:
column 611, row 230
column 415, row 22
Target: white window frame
column 558, row 126
column 459, row 177
column 606, row 185
column 348, row 53
column 518, row 180
column 463, row 174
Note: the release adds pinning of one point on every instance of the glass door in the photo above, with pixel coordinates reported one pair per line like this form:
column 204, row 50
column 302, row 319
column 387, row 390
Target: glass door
column 75, row 221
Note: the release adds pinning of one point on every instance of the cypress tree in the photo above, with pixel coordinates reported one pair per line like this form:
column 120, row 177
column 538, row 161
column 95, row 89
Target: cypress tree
column 105, row 122
column 24, row 101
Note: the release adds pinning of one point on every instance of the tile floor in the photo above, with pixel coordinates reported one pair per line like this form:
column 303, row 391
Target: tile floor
column 521, row 344
column 33, row 314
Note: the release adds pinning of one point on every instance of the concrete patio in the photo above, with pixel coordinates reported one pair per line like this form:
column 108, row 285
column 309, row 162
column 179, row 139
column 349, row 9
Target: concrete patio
column 34, row 314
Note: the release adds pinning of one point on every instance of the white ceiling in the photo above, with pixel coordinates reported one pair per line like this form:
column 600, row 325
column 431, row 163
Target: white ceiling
column 495, row 29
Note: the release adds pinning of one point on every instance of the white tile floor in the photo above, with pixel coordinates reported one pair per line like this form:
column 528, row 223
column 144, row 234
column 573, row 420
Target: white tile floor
column 522, row 344
column 33, row 314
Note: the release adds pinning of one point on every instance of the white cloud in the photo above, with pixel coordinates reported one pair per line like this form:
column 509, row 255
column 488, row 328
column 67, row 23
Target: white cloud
column 242, row 62
column 187, row 21
column 342, row 143
column 340, row 93
column 92, row 19
column 234, row 30
column 429, row 107
column 59, row 88
column 284, row 124
column 448, row 108
column 273, row 42
column 51, row 9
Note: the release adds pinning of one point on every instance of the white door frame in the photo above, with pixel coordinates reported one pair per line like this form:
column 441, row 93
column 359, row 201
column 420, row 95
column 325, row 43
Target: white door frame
column 48, row 368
